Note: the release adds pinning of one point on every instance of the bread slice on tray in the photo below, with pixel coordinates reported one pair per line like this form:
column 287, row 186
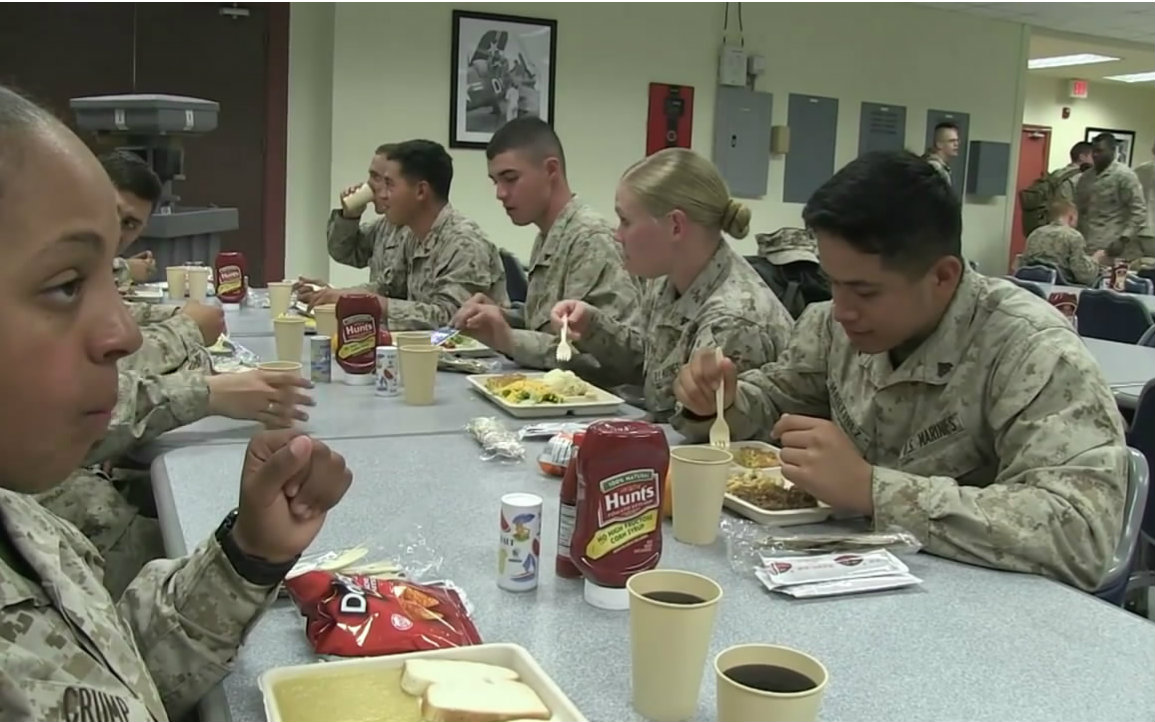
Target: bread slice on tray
column 420, row 673
column 480, row 701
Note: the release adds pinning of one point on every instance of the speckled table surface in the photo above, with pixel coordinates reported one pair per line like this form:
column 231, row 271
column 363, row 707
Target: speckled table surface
column 969, row 644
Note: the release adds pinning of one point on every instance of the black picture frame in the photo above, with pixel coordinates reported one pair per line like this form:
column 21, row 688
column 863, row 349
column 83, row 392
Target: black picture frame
column 498, row 73
column 1126, row 142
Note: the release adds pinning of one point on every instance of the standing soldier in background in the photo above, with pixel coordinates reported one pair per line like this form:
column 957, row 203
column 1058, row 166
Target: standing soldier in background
column 574, row 255
column 944, row 149
column 1112, row 214
column 1068, row 175
column 1145, row 172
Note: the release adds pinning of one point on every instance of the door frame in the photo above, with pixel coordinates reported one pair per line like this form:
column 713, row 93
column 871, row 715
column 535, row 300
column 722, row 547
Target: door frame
column 276, row 138
column 1048, row 133
column 1045, row 129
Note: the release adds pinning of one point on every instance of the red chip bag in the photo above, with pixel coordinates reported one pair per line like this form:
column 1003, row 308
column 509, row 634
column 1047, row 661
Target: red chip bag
column 355, row 616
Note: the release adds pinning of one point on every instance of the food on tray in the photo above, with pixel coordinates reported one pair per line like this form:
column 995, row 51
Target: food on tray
column 433, row 690
column 554, row 387
column 222, row 347
column 753, row 457
column 461, row 343
column 768, row 491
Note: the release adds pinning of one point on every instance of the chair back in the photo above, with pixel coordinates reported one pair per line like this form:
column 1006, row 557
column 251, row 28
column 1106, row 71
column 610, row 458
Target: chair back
column 1028, row 285
column 1133, row 283
column 516, row 280
column 1115, row 580
column 1112, row 316
column 1141, row 436
column 1038, row 272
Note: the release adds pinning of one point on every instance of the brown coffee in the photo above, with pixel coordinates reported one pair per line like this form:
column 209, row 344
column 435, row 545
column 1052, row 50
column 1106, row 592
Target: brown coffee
column 674, row 597
column 770, row 678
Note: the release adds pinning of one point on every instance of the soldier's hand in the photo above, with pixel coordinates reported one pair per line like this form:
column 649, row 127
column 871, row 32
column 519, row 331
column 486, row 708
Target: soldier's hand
column 306, row 288
column 1099, row 255
column 140, row 269
column 469, row 308
column 821, row 460
column 345, row 194
column 579, row 314
column 324, row 296
column 698, row 380
column 288, row 483
column 487, row 324
column 273, row 398
column 209, row 319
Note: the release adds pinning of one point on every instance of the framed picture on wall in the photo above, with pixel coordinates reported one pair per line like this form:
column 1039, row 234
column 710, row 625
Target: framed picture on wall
column 503, row 68
column 1125, row 138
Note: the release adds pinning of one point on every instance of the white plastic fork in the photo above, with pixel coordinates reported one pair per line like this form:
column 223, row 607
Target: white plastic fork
column 719, row 430
column 564, row 350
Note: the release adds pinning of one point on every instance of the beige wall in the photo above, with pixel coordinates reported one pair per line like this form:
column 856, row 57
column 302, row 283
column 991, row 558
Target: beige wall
column 1107, row 105
column 391, row 70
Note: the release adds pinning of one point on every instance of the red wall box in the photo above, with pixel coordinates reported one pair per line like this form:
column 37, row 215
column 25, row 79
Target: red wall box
column 671, row 120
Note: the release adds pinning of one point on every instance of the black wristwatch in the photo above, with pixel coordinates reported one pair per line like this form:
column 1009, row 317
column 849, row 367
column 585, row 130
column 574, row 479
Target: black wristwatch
column 254, row 569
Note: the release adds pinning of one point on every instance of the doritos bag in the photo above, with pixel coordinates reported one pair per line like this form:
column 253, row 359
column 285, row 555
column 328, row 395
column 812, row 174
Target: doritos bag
column 356, row 616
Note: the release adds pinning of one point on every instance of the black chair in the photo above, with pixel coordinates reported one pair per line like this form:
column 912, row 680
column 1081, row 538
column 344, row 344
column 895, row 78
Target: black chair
column 1039, row 273
column 1148, row 338
column 1116, row 581
column 1030, row 286
column 1112, row 316
column 1141, row 436
column 1133, row 283
column 516, row 280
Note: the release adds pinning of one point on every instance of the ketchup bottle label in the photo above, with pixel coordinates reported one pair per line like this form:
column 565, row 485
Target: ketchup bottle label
column 629, row 509
column 357, row 335
column 230, row 280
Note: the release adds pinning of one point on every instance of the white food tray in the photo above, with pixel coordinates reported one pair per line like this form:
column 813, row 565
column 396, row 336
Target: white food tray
column 511, row 656
column 599, row 402
column 789, row 517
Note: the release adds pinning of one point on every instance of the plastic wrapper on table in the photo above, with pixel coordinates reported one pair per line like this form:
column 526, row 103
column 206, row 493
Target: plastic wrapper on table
column 747, row 542
column 449, row 362
column 497, row 441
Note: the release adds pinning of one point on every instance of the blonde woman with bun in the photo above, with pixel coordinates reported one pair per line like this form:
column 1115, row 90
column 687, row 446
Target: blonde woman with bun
column 672, row 209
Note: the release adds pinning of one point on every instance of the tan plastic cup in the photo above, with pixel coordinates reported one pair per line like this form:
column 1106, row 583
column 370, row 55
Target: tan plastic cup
column 289, row 334
column 177, row 277
column 198, row 282
column 281, row 366
column 419, row 369
column 669, row 642
column 698, row 483
column 356, row 201
column 739, row 703
column 326, row 317
column 401, row 339
column 280, row 294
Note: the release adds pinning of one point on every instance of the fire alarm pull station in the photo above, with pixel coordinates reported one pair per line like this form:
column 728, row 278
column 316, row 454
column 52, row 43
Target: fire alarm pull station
column 671, row 117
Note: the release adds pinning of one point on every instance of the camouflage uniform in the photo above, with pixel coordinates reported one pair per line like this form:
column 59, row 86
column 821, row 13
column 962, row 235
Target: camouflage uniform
column 443, row 270
column 122, row 273
column 578, row 259
column 170, row 345
column 787, row 245
column 1145, row 173
column 940, row 166
column 149, row 313
column 1111, row 208
column 997, row 442
column 1067, row 187
column 727, row 306
column 70, row 653
column 1062, row 247
column 378, row 245
column 148, row 406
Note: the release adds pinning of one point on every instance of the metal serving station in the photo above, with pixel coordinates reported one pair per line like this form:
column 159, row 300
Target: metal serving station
column 153, row 126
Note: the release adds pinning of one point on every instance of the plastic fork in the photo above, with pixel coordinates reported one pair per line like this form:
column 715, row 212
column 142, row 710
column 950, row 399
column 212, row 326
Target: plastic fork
column 564, row 350
column 719, row 430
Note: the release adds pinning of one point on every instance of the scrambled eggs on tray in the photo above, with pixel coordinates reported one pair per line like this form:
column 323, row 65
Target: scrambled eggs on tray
column 554, row 387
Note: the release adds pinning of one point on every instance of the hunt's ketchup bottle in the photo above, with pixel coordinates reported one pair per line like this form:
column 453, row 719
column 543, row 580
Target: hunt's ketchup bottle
column 567, row 514
column 358, row 315
column 618, row 532
column 231, row 272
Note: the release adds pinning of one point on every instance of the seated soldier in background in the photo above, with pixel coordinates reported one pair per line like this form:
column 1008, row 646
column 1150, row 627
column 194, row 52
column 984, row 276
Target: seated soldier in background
column 448, row 258
column 930, row 397
column 1060, row 244
column 378, row 245
column 574, row 255
column 673, row 207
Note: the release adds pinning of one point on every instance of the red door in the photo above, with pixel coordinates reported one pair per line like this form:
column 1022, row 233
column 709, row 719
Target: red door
column 1034, row 150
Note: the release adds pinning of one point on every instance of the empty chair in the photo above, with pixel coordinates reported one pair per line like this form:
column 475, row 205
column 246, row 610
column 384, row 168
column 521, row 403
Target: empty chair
column 1032, row 287
column 1148, row 338
column 1134, row 283
column 1112, row 316
column 1116, row 582
column 1039, row 273
column 516, row 281
column 1142, row 437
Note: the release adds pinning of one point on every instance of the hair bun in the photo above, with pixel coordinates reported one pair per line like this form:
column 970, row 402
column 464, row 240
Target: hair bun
column 736, row 219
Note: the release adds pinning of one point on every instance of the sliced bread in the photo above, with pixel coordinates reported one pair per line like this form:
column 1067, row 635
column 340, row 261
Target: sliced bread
column 482, row 702
column 420, row 673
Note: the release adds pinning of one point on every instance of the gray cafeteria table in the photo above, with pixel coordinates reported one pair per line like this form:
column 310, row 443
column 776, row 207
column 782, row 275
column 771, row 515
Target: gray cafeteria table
column 1147, row 300
column 1127, row 367
column 969, row 644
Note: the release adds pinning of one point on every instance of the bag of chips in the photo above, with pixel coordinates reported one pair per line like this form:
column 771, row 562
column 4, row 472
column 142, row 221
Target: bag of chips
column 556, row 455
column 360, row 616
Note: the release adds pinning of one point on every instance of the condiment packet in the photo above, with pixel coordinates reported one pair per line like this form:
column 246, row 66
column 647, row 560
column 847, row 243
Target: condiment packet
column 548, row 429
column 856, row 585
column 556, row 455
column 442, row 335
column 780, row 573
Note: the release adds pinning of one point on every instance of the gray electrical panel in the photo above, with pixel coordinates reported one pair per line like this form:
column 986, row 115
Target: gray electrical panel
column 881, row 126
column 813, row 122
column 958, row 166
column 988, row 168
column 742, row 139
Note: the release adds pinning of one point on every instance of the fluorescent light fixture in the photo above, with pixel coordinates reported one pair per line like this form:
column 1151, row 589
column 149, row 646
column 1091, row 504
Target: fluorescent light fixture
column 1060, row 61
column 1134, row 77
